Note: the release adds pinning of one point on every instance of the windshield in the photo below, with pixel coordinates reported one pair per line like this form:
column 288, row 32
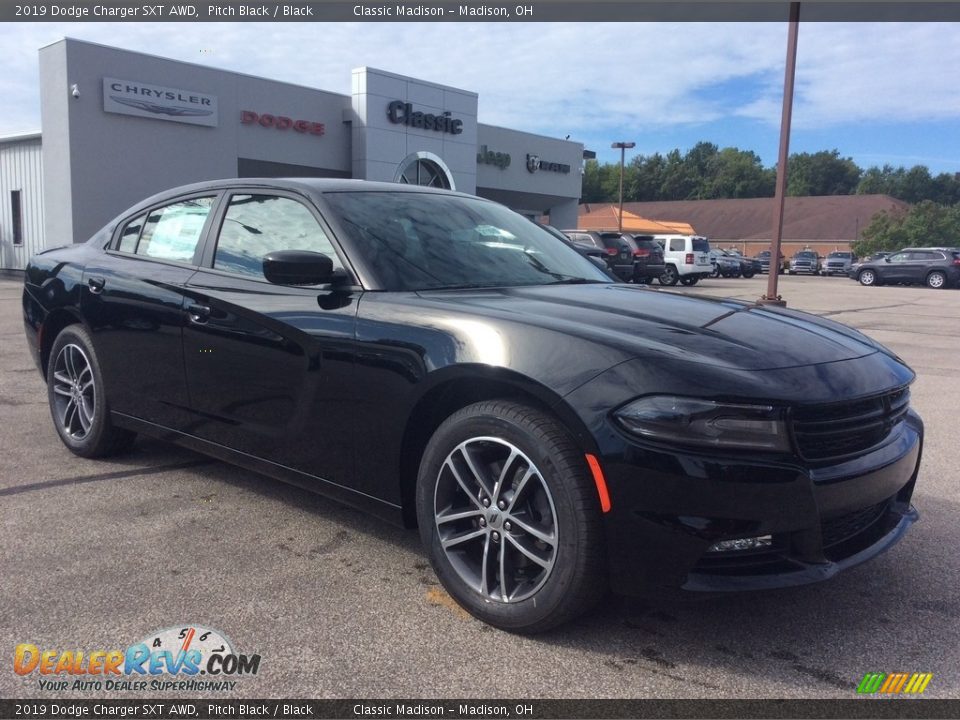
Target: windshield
column 806, row 255
column 424, row 241
column 840, row 255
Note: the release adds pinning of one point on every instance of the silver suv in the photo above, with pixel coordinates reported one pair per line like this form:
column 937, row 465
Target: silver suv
column 805, row 261
column 838, row 263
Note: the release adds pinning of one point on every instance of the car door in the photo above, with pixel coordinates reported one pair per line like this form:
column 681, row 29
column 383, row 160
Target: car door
column 920, row 263
column 132, row 300
column 269, row 367
column 895, row 268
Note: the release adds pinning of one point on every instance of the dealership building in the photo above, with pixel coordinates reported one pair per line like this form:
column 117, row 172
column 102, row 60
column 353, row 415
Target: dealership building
column 118, row 126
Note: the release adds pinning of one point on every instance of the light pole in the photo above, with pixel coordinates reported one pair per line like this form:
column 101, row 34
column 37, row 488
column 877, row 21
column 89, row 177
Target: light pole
column 623, row 150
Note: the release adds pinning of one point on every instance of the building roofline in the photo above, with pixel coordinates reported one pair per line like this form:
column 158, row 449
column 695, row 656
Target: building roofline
column 20, row 137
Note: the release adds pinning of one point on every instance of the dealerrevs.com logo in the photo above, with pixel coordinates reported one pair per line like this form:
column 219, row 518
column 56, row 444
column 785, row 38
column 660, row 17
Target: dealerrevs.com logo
column 186, row 658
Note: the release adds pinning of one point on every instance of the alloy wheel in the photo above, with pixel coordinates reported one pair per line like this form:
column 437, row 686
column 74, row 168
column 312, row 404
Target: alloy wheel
column 936, row 280
column 75, row 392
column 495, row 519
column 867, row 277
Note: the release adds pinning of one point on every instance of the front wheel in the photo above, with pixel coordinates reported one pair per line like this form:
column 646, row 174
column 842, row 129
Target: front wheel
column 867, row 277
column 669, row 276
column 748, row 274
column 77, row 398
column 510, row 517
column 936, row 280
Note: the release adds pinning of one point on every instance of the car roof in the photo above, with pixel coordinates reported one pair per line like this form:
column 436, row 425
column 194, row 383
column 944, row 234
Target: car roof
column 303, row 185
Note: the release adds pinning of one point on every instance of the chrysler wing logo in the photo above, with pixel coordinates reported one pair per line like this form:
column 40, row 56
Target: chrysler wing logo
column 161, row 109
column 533, row 163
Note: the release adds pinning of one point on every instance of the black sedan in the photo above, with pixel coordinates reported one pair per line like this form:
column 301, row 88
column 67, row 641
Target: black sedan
column 438, row 360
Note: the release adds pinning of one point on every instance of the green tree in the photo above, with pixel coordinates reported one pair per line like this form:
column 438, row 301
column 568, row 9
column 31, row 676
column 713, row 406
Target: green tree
column 735, row 173
column 925, row 224
column 822, row 173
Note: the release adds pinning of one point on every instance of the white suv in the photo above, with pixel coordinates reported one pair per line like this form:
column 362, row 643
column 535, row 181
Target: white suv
column 686, row 259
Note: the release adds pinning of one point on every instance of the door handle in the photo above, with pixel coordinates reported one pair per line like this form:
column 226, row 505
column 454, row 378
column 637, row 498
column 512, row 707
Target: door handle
column 198, row 314
column 96, row 285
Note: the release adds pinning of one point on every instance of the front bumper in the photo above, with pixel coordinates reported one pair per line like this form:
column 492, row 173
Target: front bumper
column 669, row 508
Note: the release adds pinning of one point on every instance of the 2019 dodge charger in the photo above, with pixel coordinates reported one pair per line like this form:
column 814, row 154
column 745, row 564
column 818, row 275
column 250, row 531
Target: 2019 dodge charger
column 440, row 361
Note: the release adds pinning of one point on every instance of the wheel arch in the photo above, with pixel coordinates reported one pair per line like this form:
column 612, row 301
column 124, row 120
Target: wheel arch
column 52, row 326
column 452, row 391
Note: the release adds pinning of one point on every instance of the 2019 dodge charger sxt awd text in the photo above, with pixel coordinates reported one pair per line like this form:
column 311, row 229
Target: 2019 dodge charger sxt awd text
column 551, row 432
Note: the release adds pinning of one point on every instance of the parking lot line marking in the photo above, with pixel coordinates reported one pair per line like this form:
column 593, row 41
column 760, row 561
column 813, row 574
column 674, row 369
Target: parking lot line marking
column 18, row 489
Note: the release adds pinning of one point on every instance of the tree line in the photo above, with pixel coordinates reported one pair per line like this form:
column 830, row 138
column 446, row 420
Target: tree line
column 707, row 172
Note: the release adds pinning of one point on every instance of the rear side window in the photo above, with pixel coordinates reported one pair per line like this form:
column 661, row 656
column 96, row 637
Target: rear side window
column 255, row 225
column 131, row 234
column 678, row 245
column 173, row 232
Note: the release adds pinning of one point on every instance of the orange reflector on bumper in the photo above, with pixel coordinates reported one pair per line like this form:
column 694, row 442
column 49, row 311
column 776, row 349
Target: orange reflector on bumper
column 600, row 482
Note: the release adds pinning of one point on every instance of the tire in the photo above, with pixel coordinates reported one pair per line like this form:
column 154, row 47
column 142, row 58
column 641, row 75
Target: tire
column 867, row 277
column 669, row 276
column 748, row 274
column 715, row 272
column 937, row 280
column 689, row 280
column 559, row 523
column 77, row 398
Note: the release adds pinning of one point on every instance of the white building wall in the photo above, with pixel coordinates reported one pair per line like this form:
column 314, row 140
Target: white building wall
column 21, row 168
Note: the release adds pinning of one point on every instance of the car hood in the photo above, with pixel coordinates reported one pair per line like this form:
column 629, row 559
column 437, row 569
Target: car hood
column 643, row 322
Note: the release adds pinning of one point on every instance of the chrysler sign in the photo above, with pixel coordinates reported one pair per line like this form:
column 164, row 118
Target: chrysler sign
column 130, row 97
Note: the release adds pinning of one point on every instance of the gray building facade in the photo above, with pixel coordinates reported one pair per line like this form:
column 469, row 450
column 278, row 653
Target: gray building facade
column 118, row 126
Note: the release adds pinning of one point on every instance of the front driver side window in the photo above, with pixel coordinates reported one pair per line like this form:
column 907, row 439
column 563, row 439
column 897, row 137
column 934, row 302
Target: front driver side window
column 255, row 225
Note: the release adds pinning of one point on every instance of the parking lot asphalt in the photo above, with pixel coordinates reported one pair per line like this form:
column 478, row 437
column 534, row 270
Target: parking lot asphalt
column 97, row 554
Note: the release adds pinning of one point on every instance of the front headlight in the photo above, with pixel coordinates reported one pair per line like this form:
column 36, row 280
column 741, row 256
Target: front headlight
column 689, row 421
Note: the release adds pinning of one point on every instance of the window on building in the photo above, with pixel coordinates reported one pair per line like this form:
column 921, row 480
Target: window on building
column 173, row 232
column 255, row 225
column 425, row 172
column 17, row 217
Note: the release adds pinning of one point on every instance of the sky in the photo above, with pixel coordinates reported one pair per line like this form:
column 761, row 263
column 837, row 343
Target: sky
column 877, row 92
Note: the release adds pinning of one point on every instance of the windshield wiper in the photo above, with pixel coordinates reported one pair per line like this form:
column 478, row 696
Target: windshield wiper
column 578, row 281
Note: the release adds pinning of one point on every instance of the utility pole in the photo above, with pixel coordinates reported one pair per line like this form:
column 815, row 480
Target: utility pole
column 771, row 298
column 623, row 150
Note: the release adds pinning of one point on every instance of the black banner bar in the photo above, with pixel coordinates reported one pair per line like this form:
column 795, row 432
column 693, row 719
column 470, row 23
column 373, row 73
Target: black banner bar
column 165, row 709
column 473, row 11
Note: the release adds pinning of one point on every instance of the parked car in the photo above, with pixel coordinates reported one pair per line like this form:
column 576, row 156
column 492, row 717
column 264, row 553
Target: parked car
column 935, row 267
column 686, row 259
column 728, row 263
column 853, row 272
column 763, row 257
column 620, row 251
column 805, row 261
column 589, row 251
column 648, row 263
column 838, row 262
column 438, row 360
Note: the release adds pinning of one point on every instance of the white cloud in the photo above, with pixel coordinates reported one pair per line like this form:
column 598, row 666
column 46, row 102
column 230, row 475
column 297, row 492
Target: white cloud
column 588, row 80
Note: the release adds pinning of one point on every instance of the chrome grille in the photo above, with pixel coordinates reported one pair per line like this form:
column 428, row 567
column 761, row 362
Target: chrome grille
column 837, row 430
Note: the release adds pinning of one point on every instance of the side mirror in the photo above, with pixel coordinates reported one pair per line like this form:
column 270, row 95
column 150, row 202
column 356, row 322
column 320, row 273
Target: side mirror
column 887, row 259
column 297, row 267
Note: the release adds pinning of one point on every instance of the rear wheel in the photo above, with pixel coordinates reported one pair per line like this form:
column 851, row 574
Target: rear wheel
column 867, row 277
column 690, row 280
column 748, row 273
column 669, row 276
column 77, row 398
column 936, row 280
column 510, row 517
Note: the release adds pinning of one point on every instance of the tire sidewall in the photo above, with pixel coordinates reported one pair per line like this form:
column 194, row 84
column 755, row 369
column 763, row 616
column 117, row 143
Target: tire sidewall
column 943, row 280
column 77, row 335
column 545, row 601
